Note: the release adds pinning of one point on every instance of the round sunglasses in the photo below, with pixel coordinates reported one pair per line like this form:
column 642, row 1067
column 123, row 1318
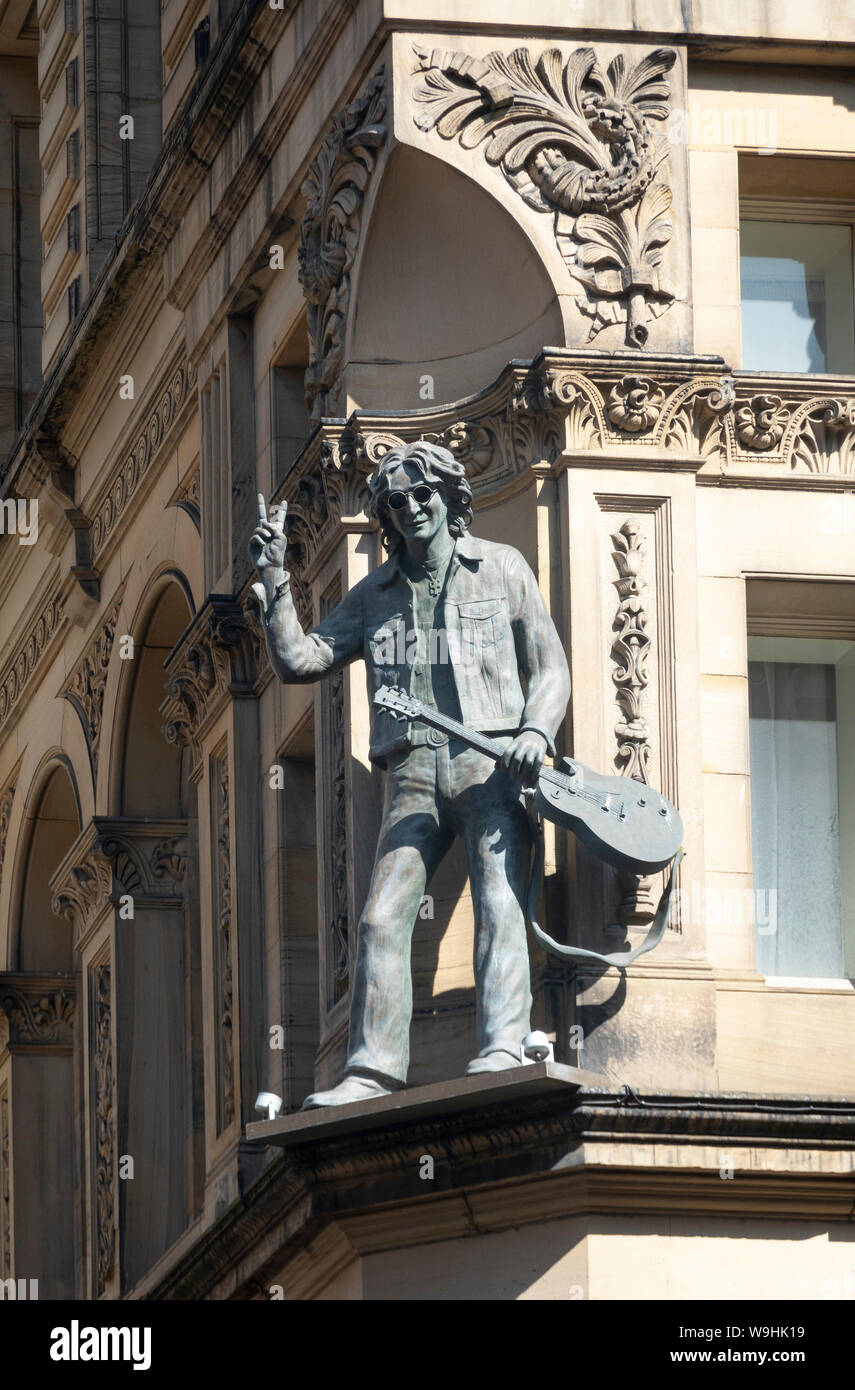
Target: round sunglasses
column 421, row 494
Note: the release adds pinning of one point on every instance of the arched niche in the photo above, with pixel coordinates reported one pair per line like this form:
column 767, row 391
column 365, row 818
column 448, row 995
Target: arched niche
column 156, row 952
column 41, row 997
column 44, row 940
column 152, row 774
column 448, row 286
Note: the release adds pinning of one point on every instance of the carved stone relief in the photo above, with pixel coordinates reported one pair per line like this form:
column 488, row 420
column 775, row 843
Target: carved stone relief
column 109, row 508
column 5, row 1189
column 577, row 141
column 87, row 683
column 113, row 857
column 335, row 189
column 535, row 412
column 7, row 797
column 222, row 652
column 39, row 1009
column 336, row 897
column 630, row 653
column 104, row 1124
column 25, row 659
column 221, row 942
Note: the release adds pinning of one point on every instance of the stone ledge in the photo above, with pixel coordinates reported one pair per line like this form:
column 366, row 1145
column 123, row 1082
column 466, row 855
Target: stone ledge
column 537, row 1145
column 462, row 1095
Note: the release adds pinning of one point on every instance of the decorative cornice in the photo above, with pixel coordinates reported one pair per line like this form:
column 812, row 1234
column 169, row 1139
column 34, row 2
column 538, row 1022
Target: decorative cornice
column 577, row 141
column 85, row 687
column 40, row 1009
column 594, row 408
column 334, row 188
column 220, row 654
column 21, row 666
column 117, row 857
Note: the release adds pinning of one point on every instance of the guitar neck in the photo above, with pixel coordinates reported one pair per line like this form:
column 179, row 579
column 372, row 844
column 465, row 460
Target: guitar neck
column 451, row 727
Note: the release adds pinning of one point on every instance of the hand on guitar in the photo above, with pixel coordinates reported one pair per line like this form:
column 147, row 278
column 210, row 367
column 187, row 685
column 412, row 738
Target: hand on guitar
column 524, row 756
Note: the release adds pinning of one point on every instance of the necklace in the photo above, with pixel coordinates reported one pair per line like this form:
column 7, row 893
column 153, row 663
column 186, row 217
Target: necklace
column 434, row 574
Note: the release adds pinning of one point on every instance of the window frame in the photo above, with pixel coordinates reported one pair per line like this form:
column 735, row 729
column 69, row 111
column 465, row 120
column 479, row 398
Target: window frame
column 828, row 211
column 780, row 620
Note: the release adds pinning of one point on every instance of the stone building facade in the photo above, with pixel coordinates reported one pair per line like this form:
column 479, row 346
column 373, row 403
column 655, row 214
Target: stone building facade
column 247, row 247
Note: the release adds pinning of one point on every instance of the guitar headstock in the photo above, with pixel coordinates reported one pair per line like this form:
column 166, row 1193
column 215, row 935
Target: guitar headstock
column 397, row 702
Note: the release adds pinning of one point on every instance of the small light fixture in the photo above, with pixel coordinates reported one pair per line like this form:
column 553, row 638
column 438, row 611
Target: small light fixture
column 270, row 1103
column 536, row 1047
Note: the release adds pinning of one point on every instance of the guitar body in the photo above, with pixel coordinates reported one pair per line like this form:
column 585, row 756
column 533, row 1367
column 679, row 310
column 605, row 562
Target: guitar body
column 622, row 821
column 625, row 822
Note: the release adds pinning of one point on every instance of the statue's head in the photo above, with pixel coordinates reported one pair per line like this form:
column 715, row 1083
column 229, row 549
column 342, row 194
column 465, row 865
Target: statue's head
column 411, row 466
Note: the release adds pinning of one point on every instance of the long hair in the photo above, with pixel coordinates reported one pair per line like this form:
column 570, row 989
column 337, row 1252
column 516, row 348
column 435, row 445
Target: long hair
column 436, row 465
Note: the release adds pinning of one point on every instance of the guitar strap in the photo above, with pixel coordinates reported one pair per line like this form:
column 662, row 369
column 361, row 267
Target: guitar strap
column 620, row 959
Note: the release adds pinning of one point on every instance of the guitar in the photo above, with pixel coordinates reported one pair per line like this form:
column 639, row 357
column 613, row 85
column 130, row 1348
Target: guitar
column 622, row 821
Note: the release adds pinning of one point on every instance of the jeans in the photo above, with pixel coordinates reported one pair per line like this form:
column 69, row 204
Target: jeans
column 432, row 793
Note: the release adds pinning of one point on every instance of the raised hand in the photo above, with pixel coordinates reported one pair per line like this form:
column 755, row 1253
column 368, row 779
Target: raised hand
column 267, row 546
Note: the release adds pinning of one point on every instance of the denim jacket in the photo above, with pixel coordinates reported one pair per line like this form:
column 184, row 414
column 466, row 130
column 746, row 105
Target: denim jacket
column 508, row 664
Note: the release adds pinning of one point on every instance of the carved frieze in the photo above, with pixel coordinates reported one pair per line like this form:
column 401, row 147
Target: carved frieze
column 39, row 1009
column 578, row 141
column 335, row 190
column 104, row 1146
column 114, row 858
column 566, row 401
column 85, row 687
column 221, row 653
column 130, row 471
column 27, row 655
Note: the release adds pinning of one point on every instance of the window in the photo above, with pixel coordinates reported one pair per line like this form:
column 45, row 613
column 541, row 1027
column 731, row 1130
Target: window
column 802, row 747
column 798, row 313
column 291, row 426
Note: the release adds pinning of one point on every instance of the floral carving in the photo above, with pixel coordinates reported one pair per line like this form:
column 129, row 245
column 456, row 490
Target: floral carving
column 221, row 652
column 85, row 689
column 635, row 403
column 760, row 423
column 36, row 1015
column 575, row 140
column 335, row 189
column 471, row 444
column 102, row 1079
column 630, row 651
column 222, row 943
column 5, row 1190
column 823, row 437
column 113, row 858
column 169, row 859
column 7, row 797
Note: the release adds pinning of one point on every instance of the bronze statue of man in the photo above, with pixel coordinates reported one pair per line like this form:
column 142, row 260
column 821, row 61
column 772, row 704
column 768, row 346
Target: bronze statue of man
column 459, row 624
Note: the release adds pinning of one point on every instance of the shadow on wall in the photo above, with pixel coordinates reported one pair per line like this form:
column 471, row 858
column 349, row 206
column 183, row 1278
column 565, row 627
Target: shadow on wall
column 448, row 292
